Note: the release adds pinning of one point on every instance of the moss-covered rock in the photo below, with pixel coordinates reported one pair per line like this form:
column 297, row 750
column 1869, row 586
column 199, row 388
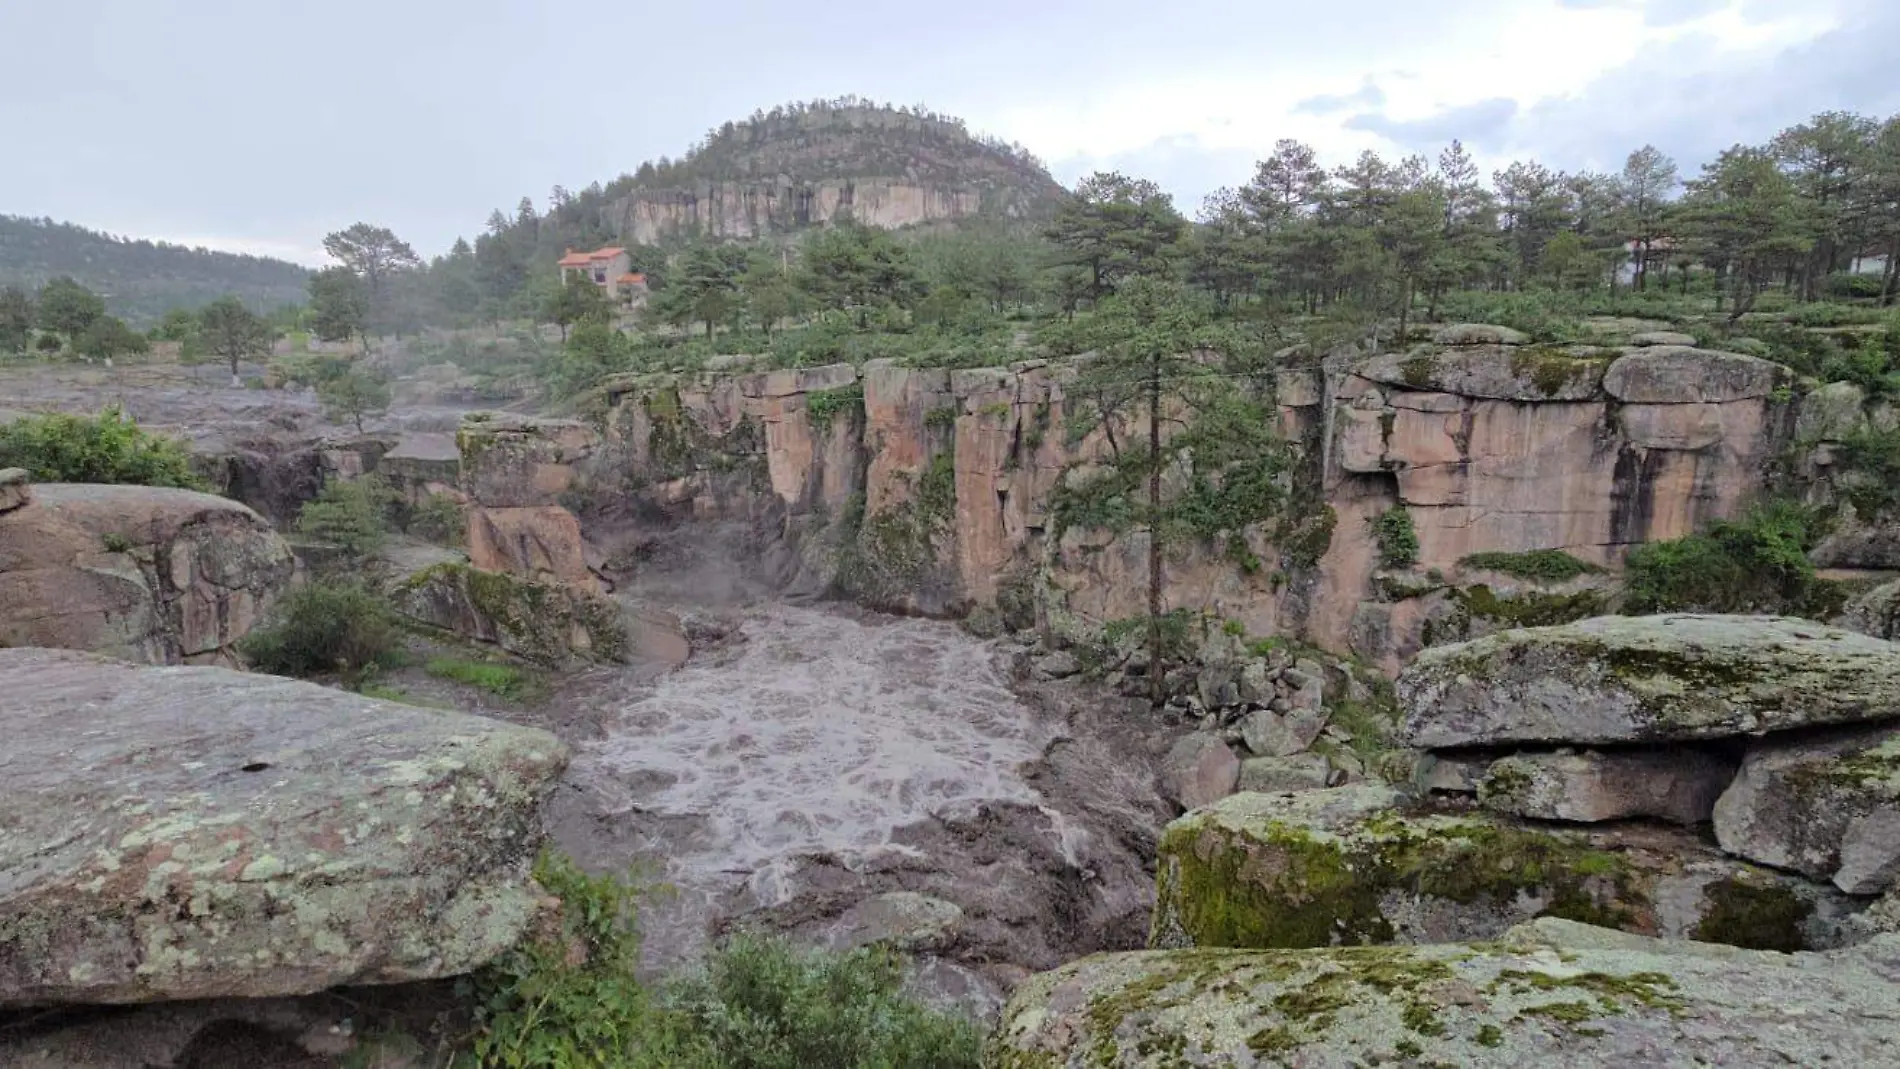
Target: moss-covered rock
column 1676, row 784
column 1345, row 866
column 1550, row 993
column 1501, row 372
column 1647, row 679
column 190, row 833
column 542, row 622
column 1827, row 806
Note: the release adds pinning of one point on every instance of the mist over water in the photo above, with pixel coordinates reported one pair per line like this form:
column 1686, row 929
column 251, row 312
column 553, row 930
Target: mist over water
column 819, row 734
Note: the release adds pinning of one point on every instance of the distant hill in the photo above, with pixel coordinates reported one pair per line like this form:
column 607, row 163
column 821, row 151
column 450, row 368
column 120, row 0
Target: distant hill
column 802, row 165
column 141, row 280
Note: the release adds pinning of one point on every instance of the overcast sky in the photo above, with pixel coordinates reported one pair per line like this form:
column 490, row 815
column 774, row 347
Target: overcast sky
column 259, row 125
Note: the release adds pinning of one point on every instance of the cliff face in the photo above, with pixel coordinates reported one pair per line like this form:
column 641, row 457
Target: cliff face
column 928, row 490
column 744, row 210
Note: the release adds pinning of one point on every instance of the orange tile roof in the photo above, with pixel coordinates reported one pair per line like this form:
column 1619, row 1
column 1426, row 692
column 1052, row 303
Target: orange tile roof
column 607, row 253
column 576, row 259
column 633, row 279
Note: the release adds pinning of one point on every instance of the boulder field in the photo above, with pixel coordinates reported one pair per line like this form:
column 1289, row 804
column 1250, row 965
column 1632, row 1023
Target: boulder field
column 1660, row 840
column 194, row 832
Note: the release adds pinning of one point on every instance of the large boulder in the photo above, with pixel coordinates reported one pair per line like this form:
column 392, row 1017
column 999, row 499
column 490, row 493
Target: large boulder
column 1550, row 993
column 1618, row 679
column 1346, row 866
column 546, row 623
column 147, row 574
column 1199, row 769
column 1680, row 374
column 191, row 832
column 1827, row 806
column 517, row 462
column 538, row 542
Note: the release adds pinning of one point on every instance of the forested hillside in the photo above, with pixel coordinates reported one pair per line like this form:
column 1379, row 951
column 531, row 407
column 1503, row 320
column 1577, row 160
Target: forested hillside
column 141, row 280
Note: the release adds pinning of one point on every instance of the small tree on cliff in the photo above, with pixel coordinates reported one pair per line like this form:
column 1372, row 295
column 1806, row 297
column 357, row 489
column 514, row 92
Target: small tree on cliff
column 1148, row 337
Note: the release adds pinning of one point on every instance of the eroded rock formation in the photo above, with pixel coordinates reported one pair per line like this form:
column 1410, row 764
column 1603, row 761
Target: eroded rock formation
column 156, row 575
column 176, row 833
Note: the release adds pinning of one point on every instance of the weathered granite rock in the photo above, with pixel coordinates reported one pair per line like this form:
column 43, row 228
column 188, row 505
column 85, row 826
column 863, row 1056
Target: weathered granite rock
column 1668, row 374
column 904, row 920
column 1874, row 612
column 541, row 543
column 1302, row 772
column 15, row 489
column 1679, row 785
column 1271, row 734
column 1497, row 372
column 1199, row 769
column 1830, row 413
column 517, row 462
column 1548, row 993
column 174, row 833
column 1345, row 866
column 1827, row 806
column 147, row 574
column 1648, row 338
column 542, row 622
column 1478, row 334
column 1617, row 679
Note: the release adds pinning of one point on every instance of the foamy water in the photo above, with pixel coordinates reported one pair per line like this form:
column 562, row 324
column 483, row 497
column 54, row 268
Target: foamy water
column 820, row 734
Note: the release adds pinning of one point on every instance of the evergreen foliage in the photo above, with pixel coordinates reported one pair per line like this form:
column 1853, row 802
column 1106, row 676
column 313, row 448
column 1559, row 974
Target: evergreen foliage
column 108, row 448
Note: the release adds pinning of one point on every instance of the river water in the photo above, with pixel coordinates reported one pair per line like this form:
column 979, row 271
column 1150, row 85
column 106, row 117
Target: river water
column 820, row 734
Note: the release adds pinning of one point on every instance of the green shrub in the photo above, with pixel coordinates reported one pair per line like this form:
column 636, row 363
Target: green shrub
column 764, row 1004
column 822, row 405
column 439, row 519
column 108, row 448
column 1396, row 536
column 323, row 628
column 351, row 515
column 501, row 680
column 1546, row 565
column 1870, row 465
column 1757, row 564
column 755, row 1003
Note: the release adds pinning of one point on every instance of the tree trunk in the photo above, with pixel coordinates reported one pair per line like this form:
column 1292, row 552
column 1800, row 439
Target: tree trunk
column 1890, row 277
column 1155, row 681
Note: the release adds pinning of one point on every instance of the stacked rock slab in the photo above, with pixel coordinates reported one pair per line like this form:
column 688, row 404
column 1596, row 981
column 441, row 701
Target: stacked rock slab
column 1358, row 865
column 193, row 832
column 1784, row 733
column 1549, row 993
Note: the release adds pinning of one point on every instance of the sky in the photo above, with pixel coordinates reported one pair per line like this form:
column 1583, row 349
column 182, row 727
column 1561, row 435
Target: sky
column 260, row 125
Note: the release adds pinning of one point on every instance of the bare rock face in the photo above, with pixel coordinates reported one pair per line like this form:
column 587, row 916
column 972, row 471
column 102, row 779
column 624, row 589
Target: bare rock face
column 1827, row 806
column 1548, row 993
column 1677, row 785
column 511, row 461
column 148, row 574
column 541, row 543
column 547, row 623
column 186, row 833
column 1199, row 770
column 1874, row 612
column 1669, row 678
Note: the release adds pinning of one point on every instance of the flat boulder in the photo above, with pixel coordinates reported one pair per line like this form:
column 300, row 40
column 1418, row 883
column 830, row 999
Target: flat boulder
column 195, row 832
column 1498, row 372
column 1199, row 769
column 1632, row 679
column 1676, row 784
column 1827, row 806
column 1680, row 374
column 1349, row 866
column 1548, row 993
column 148, row 574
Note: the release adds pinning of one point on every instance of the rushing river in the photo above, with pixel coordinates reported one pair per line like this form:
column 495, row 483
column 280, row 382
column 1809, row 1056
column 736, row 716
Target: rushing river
column 820, row 733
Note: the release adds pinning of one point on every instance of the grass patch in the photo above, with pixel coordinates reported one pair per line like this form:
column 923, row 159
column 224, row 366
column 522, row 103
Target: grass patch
column 1542, row 565
column 502, row 680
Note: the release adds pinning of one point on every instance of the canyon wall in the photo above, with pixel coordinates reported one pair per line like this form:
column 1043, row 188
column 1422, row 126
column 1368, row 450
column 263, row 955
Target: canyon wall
column 746, row 210
column 930, row 490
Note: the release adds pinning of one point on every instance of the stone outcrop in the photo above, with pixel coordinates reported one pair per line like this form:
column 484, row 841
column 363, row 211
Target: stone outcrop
column 16, row 490
column 188, row 832
column 1549, row 993
column 1827, row 806
column 1647, row 679
column 746, row 210
column 548, row 623
column 1353, row 865
column 156, row 575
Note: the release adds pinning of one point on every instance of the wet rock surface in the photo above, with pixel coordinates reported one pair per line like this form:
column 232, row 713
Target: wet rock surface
column 1551, row 993
column 1621, row 679
column 177, row 833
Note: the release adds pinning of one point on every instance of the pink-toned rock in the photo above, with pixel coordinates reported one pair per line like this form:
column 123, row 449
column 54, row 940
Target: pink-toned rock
column 146, row 574
column 1200, row 770
column 542, row 543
